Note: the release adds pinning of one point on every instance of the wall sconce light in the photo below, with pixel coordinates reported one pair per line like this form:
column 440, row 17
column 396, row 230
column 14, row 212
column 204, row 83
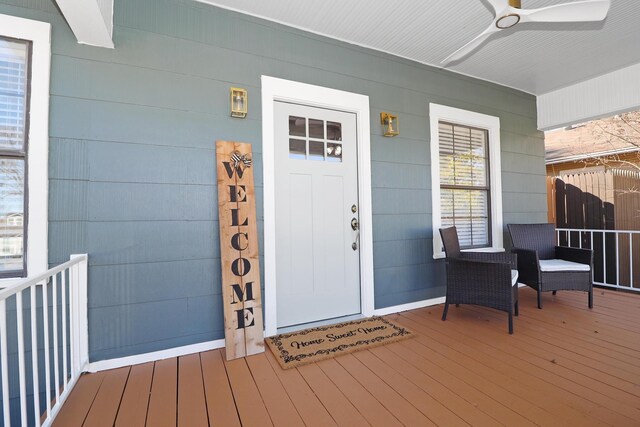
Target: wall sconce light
column 390, row 125
column 239, row 102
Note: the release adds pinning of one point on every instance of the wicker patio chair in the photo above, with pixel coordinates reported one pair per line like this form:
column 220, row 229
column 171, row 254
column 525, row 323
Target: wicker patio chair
column 486, row 279
column 547, row 267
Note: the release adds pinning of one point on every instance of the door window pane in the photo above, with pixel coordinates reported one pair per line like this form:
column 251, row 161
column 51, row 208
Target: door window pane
column 316, row 150
column 297, row 149
column 297, row 126
column 11, row 215
column 334, row 152
column 316, row 129
column 334, row 131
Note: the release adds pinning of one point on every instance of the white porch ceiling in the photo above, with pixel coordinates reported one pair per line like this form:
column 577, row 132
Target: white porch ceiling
column 535, row 58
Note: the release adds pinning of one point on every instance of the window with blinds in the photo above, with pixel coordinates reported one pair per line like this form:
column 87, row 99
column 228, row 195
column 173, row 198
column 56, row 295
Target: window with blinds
column 14, row 93
column 464, row 183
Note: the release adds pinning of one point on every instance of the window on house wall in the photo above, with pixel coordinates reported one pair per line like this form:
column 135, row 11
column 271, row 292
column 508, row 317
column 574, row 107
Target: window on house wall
column 25, row 52
column 466, row 178
column 464, row 183
column 14, row 96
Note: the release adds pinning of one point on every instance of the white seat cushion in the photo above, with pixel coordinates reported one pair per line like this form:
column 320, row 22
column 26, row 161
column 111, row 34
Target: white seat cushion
column 514, row 277
column 562, row 265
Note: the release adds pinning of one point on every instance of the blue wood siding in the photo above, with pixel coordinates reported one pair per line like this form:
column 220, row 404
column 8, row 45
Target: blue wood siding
column 132, row 179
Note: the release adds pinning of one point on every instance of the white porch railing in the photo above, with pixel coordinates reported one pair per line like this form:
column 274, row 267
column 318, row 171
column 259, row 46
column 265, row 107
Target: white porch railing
column 43, row 342
column 616, row 255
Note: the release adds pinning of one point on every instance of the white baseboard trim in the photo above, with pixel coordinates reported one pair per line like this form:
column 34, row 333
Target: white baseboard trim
column 409, row 306
column 103, row 365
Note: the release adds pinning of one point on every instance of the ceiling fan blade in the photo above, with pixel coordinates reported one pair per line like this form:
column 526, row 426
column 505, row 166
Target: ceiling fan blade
column 580, row 11
column 469, row 47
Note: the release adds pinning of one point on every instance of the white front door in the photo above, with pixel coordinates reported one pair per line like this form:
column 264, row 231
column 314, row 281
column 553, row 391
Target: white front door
column 316, row 211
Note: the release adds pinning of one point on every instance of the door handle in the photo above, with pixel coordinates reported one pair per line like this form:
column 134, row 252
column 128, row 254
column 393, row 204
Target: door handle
column 354, row 245
column 355, row 225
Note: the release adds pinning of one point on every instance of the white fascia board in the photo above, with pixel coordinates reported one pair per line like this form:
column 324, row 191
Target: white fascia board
column 90, row 20
column 602, row 96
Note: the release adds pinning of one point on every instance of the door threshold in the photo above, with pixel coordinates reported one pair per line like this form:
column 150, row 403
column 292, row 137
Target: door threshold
column 318, row 323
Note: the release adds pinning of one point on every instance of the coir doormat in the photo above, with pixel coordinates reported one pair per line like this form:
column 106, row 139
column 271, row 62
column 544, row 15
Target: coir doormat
column 312, row 345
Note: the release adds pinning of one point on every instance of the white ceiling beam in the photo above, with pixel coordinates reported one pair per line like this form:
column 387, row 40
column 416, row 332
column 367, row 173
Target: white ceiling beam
column 90, row 20
column 602, row 96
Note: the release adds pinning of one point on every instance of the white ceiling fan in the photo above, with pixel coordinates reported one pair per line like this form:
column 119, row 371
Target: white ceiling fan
column 508, row 13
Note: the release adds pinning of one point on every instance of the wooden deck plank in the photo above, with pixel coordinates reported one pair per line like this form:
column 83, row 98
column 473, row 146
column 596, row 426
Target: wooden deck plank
column 565, row 365
column 608, row 299
column 79, row 402
column 425, row 403
column 621, row 317
column 519, row 382
column 585, row 345
column 412, row 352
column 368, row 406
column 563, row 326
column 586, row 362
column 277, row 401
column 504, row 392
column 585, row 401
column 304, row 399
column 105, row 407
column 585, row 322
column 565, row 312
column 619, row 393
column 164, row 394
column 250, row 406
column 465, row 410
column 340, row 408
column 135, row 400
column 395, row 403
column 552, row 411
column 588, row 400
column 220, row 404
column 192, row 407
column 606, row 304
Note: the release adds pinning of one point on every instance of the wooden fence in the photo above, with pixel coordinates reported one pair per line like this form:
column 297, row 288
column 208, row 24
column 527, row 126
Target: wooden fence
column 600, row 200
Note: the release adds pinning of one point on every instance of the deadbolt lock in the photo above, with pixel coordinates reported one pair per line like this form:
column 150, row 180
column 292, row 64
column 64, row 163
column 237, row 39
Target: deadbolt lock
column 354, row 208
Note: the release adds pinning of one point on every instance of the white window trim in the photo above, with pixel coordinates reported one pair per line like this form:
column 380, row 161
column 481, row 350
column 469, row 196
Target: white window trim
column 439, row 113
column 39, row 33
column 275, row 89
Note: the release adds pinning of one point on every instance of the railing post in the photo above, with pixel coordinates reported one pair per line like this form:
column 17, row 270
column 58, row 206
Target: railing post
column 631, row 260
column 4, row 363
column 80, row 322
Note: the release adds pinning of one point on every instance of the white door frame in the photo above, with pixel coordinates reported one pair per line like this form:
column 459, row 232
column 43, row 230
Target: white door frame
column 274, row 89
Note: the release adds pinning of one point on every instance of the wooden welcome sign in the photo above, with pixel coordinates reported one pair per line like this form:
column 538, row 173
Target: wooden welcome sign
column 239, row 250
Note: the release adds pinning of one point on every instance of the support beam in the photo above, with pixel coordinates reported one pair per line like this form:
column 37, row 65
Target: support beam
column 90, row 20
column 602, row 96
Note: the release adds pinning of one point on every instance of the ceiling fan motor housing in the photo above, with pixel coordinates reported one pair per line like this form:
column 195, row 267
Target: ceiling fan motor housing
column 508, row 21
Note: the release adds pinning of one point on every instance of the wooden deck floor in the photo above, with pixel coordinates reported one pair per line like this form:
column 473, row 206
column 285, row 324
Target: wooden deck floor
column 565, row 365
